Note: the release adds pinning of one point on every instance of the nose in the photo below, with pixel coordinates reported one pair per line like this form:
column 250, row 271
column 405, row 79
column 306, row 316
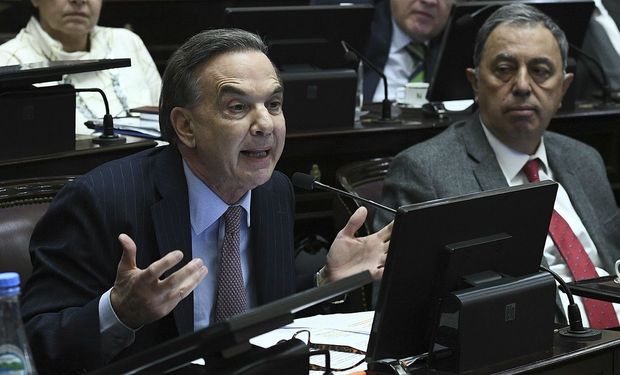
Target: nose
column 522, row 85
column 263, row 122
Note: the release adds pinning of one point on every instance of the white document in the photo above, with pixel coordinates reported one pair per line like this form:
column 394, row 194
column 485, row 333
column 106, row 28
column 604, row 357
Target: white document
column 336, row 329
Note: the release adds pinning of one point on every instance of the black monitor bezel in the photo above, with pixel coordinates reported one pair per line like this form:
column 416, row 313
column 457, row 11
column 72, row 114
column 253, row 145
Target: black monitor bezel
column 306, row 36
column 415, row 268
column 45, row 71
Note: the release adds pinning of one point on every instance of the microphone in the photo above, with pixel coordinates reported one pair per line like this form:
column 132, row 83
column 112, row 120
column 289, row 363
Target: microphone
column 108, row 135
column 351, row 54
column 307, row 182
column 467, row 19
column 575, row 328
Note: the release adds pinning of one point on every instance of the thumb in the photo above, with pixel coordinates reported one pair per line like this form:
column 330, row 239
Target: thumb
column 355, row 222
column 128, row 258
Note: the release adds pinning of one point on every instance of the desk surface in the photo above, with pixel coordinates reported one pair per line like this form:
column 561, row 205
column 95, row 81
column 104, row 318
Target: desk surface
column 568, row 356
column 85, row 157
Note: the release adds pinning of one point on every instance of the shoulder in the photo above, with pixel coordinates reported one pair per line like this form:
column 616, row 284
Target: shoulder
column 120, row 36
column 568, row 146
column 17, row 51
column 438, row 145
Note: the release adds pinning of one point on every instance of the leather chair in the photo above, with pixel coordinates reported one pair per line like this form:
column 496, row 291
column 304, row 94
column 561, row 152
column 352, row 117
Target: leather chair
column 364, row 179
column 22, row 203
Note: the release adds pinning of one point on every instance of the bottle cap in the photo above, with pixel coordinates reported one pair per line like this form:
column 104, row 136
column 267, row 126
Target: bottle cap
column 9, row 283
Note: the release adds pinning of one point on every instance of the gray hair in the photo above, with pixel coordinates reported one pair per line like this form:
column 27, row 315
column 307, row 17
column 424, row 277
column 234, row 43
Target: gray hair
column 519, row 14
column 181, row 83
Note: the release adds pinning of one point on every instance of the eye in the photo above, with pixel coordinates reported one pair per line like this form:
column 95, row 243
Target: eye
column 236, row 107
column 541, row 72
column 275, row 106
column 503, row 71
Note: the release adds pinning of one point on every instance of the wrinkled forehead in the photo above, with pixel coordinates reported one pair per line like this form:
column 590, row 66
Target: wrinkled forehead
column 531, row 40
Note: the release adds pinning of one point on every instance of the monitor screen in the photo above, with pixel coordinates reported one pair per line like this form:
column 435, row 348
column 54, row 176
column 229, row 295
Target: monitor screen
column 302, row 37
column 436, row 244
column 457, row 46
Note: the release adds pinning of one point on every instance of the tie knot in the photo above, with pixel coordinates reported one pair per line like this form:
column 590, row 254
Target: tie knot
column 232, row 217
column 531, row 170
column 416, row 50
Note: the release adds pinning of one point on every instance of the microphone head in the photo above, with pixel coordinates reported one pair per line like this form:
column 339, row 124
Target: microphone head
column 302, row 180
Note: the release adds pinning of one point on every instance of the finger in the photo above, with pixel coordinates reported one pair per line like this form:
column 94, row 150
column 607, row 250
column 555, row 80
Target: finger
column 184, row 281
column 377, row 273
column 385, row 233
column 128, row 257
column 355, row 222
column 157, row 268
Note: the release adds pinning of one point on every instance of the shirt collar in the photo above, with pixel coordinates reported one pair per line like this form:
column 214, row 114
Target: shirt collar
column 399, row 38
column 206, row 207
column 511, row 161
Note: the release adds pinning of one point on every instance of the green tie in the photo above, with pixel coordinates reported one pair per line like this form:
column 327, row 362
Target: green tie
column 417, row 51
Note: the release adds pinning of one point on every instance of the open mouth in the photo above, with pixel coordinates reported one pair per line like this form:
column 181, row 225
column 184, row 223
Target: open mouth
column 256, row 153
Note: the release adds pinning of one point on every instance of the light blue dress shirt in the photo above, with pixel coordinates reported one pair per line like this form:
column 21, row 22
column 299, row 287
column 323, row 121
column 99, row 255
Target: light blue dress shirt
column 205, row 212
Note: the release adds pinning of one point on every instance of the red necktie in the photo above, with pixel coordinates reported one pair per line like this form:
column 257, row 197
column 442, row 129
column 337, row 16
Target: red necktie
column 231, row 298
column 600, row 314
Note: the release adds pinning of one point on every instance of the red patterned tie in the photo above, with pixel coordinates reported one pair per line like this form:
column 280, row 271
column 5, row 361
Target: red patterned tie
column 600, row 314
column 231, row 299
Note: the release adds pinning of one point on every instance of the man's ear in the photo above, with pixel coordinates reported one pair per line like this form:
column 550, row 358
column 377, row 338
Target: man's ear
column 568, row 79
column 183, row 125
column 473, row 81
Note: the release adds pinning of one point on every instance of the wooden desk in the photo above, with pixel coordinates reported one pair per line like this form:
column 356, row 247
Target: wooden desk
column 86, row 156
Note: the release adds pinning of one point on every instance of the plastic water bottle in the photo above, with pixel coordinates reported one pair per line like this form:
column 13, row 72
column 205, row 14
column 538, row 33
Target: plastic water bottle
column 15, row 356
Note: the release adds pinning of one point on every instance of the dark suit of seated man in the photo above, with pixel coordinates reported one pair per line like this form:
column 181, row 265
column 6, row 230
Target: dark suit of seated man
column 518, row 80
column 120, row 251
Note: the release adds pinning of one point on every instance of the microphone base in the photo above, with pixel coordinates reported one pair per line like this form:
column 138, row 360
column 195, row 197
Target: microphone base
column 586, row 334
column 106, row 140
column 381, row 121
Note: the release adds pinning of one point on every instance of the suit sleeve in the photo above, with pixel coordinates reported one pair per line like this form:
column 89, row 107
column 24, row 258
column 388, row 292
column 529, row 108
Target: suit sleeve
column 407, row 181
column 74, row 261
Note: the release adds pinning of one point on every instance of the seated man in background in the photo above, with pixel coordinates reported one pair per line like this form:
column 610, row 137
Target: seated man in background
column 519, row 80
column 107, row 281
column 404, row 41
column 67, row 30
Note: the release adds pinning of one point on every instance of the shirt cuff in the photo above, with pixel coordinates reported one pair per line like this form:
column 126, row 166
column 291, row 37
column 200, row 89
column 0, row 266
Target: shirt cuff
column 115, row 336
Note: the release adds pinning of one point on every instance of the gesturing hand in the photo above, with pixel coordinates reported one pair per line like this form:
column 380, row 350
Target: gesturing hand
column 349, row 255
column 139, row 297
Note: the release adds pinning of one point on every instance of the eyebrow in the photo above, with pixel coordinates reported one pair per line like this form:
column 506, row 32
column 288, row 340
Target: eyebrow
column 232, row 90
column 512, row 59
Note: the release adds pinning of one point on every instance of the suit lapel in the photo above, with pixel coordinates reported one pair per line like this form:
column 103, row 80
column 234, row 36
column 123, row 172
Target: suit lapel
column 487, row 170
column 566, row 172
column 172, row 224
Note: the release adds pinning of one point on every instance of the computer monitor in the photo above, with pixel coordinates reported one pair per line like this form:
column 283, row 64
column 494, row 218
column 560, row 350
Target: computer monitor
column 435, row 244
column 306, row 36
column 230, row 338
column 449, row 82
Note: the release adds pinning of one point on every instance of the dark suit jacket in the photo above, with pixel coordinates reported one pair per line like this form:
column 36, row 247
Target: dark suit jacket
column 75, row 253
column 460, row 160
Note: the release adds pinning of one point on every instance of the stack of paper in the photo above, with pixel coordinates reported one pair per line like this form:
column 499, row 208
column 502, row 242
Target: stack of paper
column 336, row 329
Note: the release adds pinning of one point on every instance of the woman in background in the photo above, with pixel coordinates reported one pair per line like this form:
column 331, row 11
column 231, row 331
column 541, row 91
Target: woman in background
column 67, row 30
